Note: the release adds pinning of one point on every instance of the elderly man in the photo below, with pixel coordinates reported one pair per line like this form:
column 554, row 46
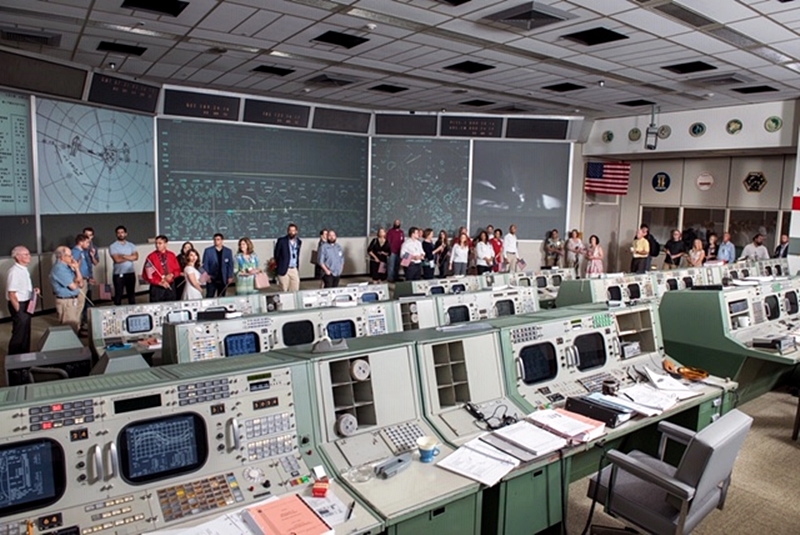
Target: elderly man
column 19, row 291
column 67, row 282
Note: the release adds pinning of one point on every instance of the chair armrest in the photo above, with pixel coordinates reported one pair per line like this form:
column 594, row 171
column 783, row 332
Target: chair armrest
column 646, row 473
column 676, row 432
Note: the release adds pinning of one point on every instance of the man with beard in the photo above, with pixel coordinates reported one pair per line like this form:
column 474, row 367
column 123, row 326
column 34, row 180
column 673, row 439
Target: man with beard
column 287, row 258
column 331, row 260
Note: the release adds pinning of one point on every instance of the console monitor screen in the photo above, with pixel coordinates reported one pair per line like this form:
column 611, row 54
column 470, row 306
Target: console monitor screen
column 745, row 273
column 458, row 314
column 541, row 282
column 614, row 293
column 734, row 275
column 592, row 351
column 341, row 329
column 458, row 288
column 178, row 316
column 139, row 323
column 771, row 307
column 688, row 282
column 791, row 303
column 296, row 333
column 524, row 281
column 556, row 280
column 505, row 307
column 767, row 271
column 538, row 363
column 672, row 284
column 245, row 343
column 437, row 290
column 634, row 291
column 778, row 271
column 160, row 448
column 32, row 475
column 369, row 297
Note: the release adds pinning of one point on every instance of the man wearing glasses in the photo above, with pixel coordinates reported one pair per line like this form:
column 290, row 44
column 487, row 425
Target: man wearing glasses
column 20, row 291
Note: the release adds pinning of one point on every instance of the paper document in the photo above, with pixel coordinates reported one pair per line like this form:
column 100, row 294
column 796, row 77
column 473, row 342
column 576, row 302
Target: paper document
column 532, row 438
column 667, row 383
column 32, row 303
column 330, row 508
column 559, row 423
column 479, row 461
column 648, row 396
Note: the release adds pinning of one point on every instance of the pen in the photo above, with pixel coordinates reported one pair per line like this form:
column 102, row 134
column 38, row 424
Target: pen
column 350, row 511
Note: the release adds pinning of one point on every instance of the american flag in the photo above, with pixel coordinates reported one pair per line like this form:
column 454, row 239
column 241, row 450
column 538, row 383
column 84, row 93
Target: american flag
column 607, row 177
column 150, row 270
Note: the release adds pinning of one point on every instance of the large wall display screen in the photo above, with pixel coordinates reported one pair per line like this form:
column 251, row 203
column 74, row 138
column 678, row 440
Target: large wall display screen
column 16, row 179
column 253, row 181
column 422, row 182
column 521, row 183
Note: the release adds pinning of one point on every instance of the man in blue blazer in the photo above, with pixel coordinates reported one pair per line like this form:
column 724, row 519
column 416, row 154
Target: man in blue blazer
column 287, row 257
column 218, row 265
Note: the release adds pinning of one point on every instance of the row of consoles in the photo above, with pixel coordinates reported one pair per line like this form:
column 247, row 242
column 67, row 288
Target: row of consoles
column 166, row 447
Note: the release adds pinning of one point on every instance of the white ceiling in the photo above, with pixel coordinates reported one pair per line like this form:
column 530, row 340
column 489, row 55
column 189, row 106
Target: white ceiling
column 413, row 40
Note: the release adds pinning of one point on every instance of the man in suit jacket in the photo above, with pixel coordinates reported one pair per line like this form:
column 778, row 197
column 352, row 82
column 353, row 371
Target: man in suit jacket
column 218, row 265
column 782, row 250
column 287, row 257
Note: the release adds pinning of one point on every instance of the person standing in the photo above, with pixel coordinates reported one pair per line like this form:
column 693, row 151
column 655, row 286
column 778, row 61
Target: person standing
column 218, row 265
column 782, row 250
column 412, row 253
column 323, row 239
column 378, row 252
column 712, row 247
column 246, row 267
column 287, row 258
column 124, row 254
column 594, row 256
column 180, row 282
column 652, row 243
column 160, row 271
column 641, row 251
column 755, row 250
column 697, row 255
column 191, row 275
column 574, row 247
column 510, row 249
column 496, row 241
column 429, row 262
column 553, row 250
column 442, row 251
column 67, row 282
column 79, row 253
column 19, row 292
column 88, row 261
column 674, row 250
column 331, row 260
column 727, row 251
column 396, row 237
column 484, row 254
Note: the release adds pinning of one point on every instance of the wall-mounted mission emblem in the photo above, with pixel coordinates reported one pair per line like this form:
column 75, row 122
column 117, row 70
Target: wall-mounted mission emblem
column 755, row 181
column 661, row 182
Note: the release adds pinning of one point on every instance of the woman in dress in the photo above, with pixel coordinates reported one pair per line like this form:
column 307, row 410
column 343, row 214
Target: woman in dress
column 441, row 249
column 484, row 254
column 594, row 255
column 379, row 251
column 460, row 256
column 497, row 247
column 246, row 262
column 429, row 262
column 181, row 281
column 711, row 249
column 574, row 248
column 697, row 255
column 192, row 289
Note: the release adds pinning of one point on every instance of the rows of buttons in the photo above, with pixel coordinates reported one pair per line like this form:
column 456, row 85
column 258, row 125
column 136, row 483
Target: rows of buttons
column 203, row 391
column 61, row 414
column 270, row 447
column 108, row 503
column 277, row 423
column 201, row 495
column 525, row 334
column 290, row 465
column 113, row 512
column 404, row 436
column 376, row 324
column 300, row 481
column 115, row 524
column 204, row 347
column 12, row 528
column 255, row 323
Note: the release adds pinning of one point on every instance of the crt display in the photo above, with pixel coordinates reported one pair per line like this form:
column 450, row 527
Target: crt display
column 634, row 291
column 688, row 282
column 771, row 307
column 592, row 351
column 458, row 314
column 734, row 275
column 541, row 282
column 341, row 329
column 241, row 344
column 139, row 323
column 437, row 290
column 767, row 270
column 614, row 293
column 458, row 288
column 505, row 307
column 159, row 448
column 369, row 297
column 745, row 273
column 297, row 333
column 556, row 280
column 538, row 363
column 672, row 284
column 32, row 475
column 778, row 271
column 791, row 302
column 524, row 281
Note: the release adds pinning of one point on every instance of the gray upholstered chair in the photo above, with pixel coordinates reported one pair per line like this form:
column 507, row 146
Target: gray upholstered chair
column 661, row 499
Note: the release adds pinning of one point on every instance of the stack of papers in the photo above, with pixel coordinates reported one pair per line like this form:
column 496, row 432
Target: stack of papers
column 568, row 425
column 648, row 400
column 531, row 438
column 666, row 383
column 479, row 461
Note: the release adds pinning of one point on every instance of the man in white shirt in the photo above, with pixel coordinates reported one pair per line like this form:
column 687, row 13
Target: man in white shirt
column 411, row 252
column 20, row 290
column 510, row 248
column 755, row 250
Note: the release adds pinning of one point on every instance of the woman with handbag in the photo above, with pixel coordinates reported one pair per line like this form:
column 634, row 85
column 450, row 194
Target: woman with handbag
column 379, row 251
column 246, row 267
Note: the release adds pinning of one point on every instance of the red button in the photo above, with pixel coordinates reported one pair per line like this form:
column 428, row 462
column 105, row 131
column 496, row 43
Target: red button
column 58, row 407
column 47, row 425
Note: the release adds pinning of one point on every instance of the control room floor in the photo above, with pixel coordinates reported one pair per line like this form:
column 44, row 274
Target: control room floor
column 763, row 493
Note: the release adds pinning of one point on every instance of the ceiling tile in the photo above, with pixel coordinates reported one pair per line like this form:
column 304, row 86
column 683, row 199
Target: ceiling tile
column 724, row 12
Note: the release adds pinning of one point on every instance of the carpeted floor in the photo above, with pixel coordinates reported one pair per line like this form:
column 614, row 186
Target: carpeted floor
column 764, row 497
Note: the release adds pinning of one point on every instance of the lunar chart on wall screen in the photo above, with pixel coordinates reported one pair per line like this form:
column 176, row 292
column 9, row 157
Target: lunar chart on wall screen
column 93, row 160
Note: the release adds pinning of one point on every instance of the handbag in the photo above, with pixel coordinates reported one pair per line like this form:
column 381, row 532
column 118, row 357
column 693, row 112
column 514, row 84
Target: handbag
column 382, row 267
column 314, row 257
column 261, row 281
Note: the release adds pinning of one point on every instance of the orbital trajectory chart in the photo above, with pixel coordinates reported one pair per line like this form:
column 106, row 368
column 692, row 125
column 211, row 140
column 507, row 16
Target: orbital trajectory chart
column 93, row 160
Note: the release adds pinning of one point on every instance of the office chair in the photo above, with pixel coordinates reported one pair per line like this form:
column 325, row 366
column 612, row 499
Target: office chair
column 39, row 374
column 796, row 429
column 664, row 500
